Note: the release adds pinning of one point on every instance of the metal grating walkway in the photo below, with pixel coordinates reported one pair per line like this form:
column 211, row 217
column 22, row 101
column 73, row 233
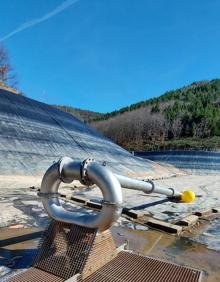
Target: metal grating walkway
column 62, row 253
column 69, row 250
column 64, row 249
column 34, row 275
column 128, row 267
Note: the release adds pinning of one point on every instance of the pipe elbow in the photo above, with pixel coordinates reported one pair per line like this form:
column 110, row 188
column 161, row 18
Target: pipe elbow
column 66, row 170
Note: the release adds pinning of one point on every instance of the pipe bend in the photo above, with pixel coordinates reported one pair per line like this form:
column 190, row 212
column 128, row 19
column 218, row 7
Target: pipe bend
column 66, row 170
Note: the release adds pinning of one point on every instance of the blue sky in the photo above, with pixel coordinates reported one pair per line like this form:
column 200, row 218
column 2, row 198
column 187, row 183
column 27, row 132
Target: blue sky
column 105, row 54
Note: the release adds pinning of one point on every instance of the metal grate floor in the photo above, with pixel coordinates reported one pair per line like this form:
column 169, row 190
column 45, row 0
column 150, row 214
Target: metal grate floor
column 62, row 253
column 66, row 250
column 128, row 267
column 34, row 275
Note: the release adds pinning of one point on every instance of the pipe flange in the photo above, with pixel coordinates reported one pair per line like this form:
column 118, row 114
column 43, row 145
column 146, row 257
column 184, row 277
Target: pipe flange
column 84, row 178
column 152, row 184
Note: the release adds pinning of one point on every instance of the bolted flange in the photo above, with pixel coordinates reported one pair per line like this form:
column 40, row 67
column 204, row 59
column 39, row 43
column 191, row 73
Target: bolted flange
column 84, row 179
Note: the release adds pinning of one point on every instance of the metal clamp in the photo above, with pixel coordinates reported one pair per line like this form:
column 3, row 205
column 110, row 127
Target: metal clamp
column 108, row 203
column 83, row 171
column 152, row 184
column 173, row 191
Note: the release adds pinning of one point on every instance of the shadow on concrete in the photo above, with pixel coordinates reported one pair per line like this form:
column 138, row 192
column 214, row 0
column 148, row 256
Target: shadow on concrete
column 19, row 239
column 148, row 205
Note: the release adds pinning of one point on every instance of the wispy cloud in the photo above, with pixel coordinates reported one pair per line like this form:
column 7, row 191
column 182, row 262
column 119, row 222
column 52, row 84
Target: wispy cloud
column 66, row 4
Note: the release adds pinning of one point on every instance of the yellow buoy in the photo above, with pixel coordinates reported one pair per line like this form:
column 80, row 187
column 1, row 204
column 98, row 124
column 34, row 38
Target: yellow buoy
column 188, row 196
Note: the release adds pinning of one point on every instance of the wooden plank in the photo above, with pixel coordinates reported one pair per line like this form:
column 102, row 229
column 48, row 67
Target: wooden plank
column 33, row 188
column 93, row 205
column 164, row 226
column 188, row 221
column 79, row 199
column 216, row 210
column 203, row 212
column 133, row 214
column 212, row 216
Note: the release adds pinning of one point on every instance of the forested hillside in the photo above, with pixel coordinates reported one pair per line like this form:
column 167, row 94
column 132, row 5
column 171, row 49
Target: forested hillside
column 83, row 115
column 184, row 118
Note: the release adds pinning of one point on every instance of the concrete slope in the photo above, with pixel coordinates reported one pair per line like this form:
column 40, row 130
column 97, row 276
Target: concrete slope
column 195, row 161
column 33, row 135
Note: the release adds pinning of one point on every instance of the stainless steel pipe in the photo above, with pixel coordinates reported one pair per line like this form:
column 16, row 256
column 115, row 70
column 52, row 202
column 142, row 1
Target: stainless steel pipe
column 66, row 170
column 90, row 172
column 146, row 186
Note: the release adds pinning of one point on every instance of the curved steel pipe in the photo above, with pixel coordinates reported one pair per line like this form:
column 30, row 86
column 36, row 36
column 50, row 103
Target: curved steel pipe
column 66, row 170
column 90, row 172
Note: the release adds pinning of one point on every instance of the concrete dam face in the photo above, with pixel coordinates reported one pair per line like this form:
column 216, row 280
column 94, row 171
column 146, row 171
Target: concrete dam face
column 33, row 135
